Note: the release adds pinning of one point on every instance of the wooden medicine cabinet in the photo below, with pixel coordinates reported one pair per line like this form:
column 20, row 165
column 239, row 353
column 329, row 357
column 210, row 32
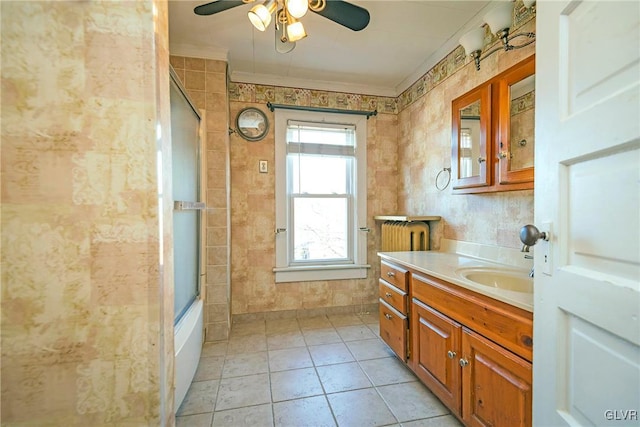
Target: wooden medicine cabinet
column 472, row 138
column 493, row 133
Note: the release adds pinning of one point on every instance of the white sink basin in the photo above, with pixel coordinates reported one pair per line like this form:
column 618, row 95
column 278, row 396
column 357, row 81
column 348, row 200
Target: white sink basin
column 508, row 280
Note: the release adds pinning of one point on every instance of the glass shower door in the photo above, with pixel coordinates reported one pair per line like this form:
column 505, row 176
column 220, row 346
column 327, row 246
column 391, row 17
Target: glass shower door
column 185, row 139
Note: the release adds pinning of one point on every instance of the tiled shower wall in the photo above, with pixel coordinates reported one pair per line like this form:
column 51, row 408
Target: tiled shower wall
column 206, row 85
column 87, row 297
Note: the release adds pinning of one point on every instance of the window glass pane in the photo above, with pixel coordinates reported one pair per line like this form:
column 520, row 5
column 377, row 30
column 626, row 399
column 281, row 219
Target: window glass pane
column 315, row 174
column 310, row 134
column 320, row 229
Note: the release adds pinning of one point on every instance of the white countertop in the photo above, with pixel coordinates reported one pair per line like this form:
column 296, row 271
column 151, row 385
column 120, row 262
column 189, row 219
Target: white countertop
column 443, row 265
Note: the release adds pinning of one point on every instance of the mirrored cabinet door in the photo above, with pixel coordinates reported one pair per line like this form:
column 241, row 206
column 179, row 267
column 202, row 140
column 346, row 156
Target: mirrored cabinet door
column 471, row 115
column 516, row 136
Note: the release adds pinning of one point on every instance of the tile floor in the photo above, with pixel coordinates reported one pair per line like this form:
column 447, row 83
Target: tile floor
column 317, row 371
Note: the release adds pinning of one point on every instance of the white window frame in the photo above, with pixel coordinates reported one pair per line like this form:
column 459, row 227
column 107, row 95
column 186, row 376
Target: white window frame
column 287, row 271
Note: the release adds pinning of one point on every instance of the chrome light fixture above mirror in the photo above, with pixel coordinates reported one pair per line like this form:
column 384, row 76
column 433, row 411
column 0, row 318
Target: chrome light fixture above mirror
column 499, row 21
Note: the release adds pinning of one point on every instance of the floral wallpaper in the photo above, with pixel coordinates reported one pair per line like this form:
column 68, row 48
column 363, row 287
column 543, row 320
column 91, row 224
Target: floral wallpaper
column 87, row 294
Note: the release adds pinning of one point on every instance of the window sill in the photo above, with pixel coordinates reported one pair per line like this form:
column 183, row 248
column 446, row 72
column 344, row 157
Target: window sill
column 320, row 272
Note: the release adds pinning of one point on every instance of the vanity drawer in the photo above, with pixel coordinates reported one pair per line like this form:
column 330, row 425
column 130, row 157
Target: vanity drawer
column 393, row 329
column 397, row 276
column 393, row 296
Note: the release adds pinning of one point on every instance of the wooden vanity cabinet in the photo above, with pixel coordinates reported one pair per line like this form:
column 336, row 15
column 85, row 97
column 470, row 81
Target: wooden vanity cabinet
column 393, row 288
column 496, row 384
column 484, row 382
column 435, row 335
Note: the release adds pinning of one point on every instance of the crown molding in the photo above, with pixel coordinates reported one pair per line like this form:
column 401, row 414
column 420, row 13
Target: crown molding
column 196, row 51
column 444, row 50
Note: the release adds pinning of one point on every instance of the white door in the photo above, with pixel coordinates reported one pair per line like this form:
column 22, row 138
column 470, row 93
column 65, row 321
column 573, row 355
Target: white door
column 586, row 359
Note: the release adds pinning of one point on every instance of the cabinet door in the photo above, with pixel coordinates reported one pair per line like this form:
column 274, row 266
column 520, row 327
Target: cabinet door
column 496, row 384
column 470, row 135
column 436, row 350
column 515, row 136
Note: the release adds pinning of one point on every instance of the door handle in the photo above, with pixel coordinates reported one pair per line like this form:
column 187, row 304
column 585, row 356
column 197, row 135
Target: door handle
column 183, row 205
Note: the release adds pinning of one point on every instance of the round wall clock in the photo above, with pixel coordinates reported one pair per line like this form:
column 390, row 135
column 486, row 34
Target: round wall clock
column 252, row 124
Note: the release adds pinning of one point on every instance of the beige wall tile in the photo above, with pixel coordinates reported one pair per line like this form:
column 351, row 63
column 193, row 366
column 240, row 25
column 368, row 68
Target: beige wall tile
column 194, row 64
column 194, row 80
column 216, row 66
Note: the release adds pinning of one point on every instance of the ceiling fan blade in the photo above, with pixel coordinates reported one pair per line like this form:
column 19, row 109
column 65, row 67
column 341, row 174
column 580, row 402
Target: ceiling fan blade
column 216, row 6
column 346, row 14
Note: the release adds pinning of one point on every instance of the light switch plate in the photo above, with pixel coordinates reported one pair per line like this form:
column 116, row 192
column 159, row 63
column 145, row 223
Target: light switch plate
column 264, row 166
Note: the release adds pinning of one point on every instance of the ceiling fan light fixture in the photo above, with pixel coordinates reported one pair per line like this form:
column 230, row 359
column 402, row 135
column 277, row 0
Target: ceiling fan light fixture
column 297, row 8
column 295, row 30
column 283, row 45
column 260, row 14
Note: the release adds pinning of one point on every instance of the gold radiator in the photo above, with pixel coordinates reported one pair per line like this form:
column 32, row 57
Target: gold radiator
column 405, row 236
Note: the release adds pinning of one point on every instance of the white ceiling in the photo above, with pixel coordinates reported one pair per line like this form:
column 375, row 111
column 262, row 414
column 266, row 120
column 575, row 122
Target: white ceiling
column 403, row 40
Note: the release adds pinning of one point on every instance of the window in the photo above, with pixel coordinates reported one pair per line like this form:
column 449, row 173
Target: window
column 320, row 196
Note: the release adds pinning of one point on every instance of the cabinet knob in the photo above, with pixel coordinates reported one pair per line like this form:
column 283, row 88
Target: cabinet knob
column 388, row 316
column 481, row 160
column 503, row 155
column 463, row 362
column 451, row 354
column 388, row 295
column 391, row 274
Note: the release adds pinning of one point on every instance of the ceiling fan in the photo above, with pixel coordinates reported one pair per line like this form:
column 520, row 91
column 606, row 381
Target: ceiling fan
column 287, row 13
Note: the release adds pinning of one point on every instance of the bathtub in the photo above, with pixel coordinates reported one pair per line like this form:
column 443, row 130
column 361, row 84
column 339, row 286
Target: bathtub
column 188, row 346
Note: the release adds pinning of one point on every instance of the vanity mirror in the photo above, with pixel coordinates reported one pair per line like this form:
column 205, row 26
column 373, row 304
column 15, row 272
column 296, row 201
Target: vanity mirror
column 492, row 137
column 516, row 143
column 470, row 135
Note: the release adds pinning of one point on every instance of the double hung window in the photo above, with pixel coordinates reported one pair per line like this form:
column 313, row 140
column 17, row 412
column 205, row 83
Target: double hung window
column 320, row 196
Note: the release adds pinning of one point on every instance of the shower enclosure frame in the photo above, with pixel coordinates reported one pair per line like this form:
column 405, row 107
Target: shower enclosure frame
column 189, row 324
